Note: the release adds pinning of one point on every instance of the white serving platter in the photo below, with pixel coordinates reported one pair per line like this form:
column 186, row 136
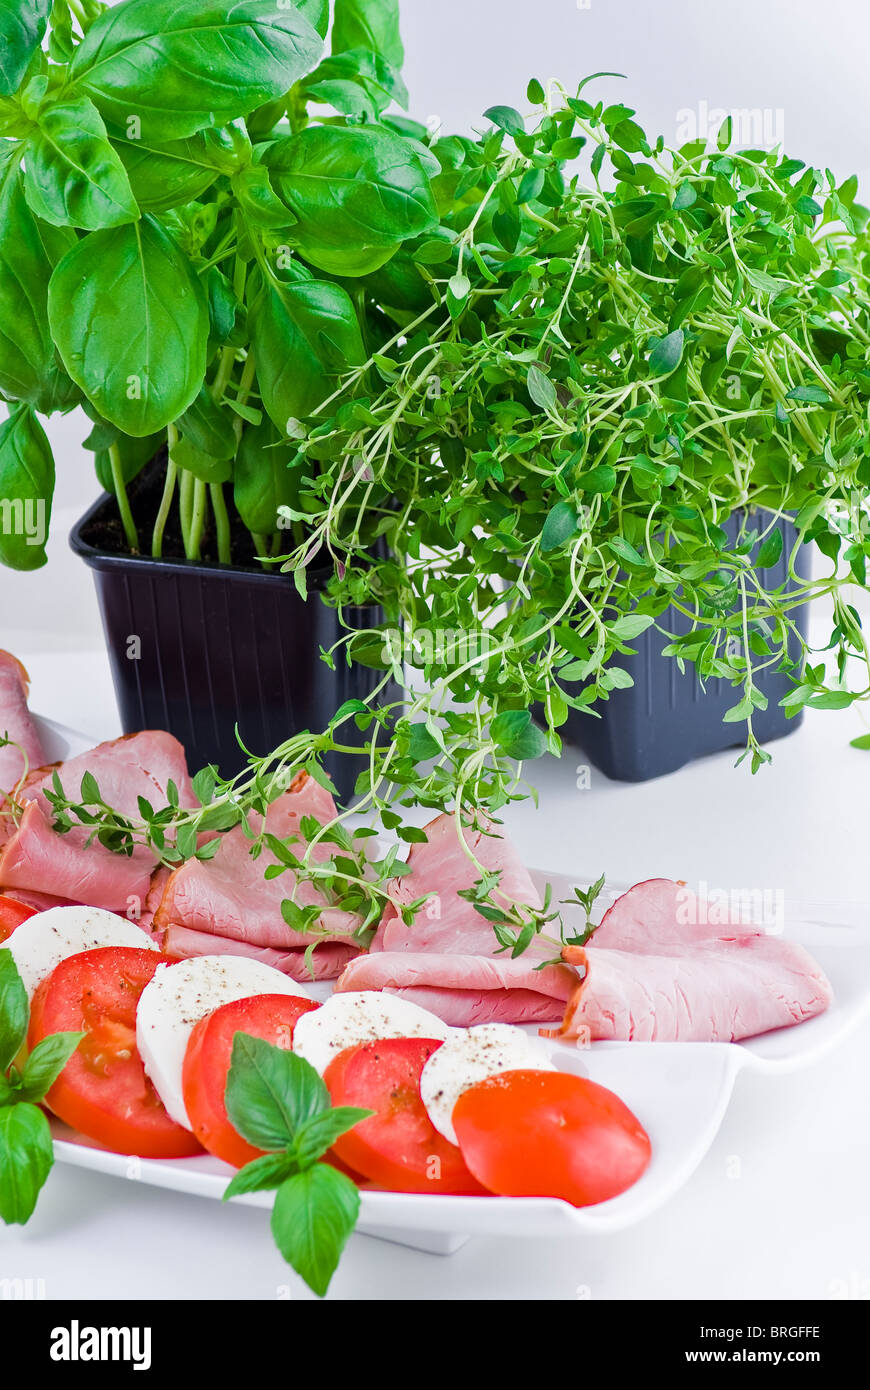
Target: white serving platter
column 679, row 1091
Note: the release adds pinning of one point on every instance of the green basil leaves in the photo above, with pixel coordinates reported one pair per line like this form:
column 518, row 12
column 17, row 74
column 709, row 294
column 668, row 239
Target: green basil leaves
column 26, row 1153
column 130, row 321
column 164, row 69
column 73, row 175
column 278, row 1102
column 356, row 193
column 26, row 488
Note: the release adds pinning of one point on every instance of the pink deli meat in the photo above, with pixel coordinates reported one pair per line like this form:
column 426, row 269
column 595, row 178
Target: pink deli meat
column 446, row 960
column 16, row 723
column 229, row 897
column 658, row 969
column 38, row 859
column 464, row 990
column 327, row 960
column 441, row 867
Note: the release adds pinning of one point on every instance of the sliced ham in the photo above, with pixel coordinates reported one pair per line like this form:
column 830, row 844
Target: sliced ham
column 16, row 723
column 658, row 970
column 464, row 990
column 125, row 768
column 228, row 895
column 40, row 901
column 327, row 960
column 36, row 858
column 441, row 867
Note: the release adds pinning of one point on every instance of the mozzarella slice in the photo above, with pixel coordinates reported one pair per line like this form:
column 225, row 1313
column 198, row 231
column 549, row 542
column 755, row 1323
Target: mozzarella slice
column 360, row 1016
column 40, row 943
column 176, row 999
column 470, row 1055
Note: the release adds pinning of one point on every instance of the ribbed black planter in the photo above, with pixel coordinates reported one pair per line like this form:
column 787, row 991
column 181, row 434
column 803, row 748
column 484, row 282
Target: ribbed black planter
column 200, row 648
column 667, row 718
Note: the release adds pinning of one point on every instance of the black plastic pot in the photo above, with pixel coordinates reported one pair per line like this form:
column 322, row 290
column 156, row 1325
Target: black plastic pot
column 200, row 648
column 667, row 718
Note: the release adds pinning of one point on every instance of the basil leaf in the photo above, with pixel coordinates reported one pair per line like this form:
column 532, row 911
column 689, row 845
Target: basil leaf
column 261, row 1175
column 270, row 1093
column 29, row 251
column 320, row 1133
column 371, row 24
column 356, row 192
column 131, row 323
column 313, row 1217
column 176, row 66
column 303, row 336
column 22, row 29
column 26, row 489
column 202, row 465
column 166, row 174
column 208, row 427
column 73, row 175
column 14, row 1009
column 357, row 82
column 46, row 1062
column 26, row 1157
column 263, row 481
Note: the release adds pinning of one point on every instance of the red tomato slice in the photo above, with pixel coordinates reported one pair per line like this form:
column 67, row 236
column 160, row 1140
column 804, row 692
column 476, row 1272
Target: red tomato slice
column 207, row 1063
column 550, row 1134
column 103, row 1091
column 398, row 1147
column 12, row 914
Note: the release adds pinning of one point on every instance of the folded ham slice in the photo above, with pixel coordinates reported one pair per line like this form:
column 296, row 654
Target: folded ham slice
column 446, row 960
column 441, row 867
column 463, row 989
column 16, row 723
column 658, row 970
column 327, row 960
column 229, row 897
column 38, row 859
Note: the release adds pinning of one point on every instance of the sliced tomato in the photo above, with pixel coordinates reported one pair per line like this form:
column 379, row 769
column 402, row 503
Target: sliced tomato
column 12, row 914
column 550, row 1134
column 207, row 1064
column 103, row 1091
column 397, row 1147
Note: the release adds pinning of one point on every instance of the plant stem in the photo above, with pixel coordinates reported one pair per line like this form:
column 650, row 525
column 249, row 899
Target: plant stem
column 222, row 522
column 185, row 505
column 166, row 499
column 197, row 519
column 121, row 495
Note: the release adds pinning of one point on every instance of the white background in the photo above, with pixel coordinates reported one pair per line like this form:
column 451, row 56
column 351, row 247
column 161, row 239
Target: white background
column 797, row 1220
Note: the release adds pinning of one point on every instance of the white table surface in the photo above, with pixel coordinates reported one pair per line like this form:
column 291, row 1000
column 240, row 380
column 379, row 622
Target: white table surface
column 778, row 1208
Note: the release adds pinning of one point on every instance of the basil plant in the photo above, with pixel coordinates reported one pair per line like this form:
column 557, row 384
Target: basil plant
column 181, row 246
